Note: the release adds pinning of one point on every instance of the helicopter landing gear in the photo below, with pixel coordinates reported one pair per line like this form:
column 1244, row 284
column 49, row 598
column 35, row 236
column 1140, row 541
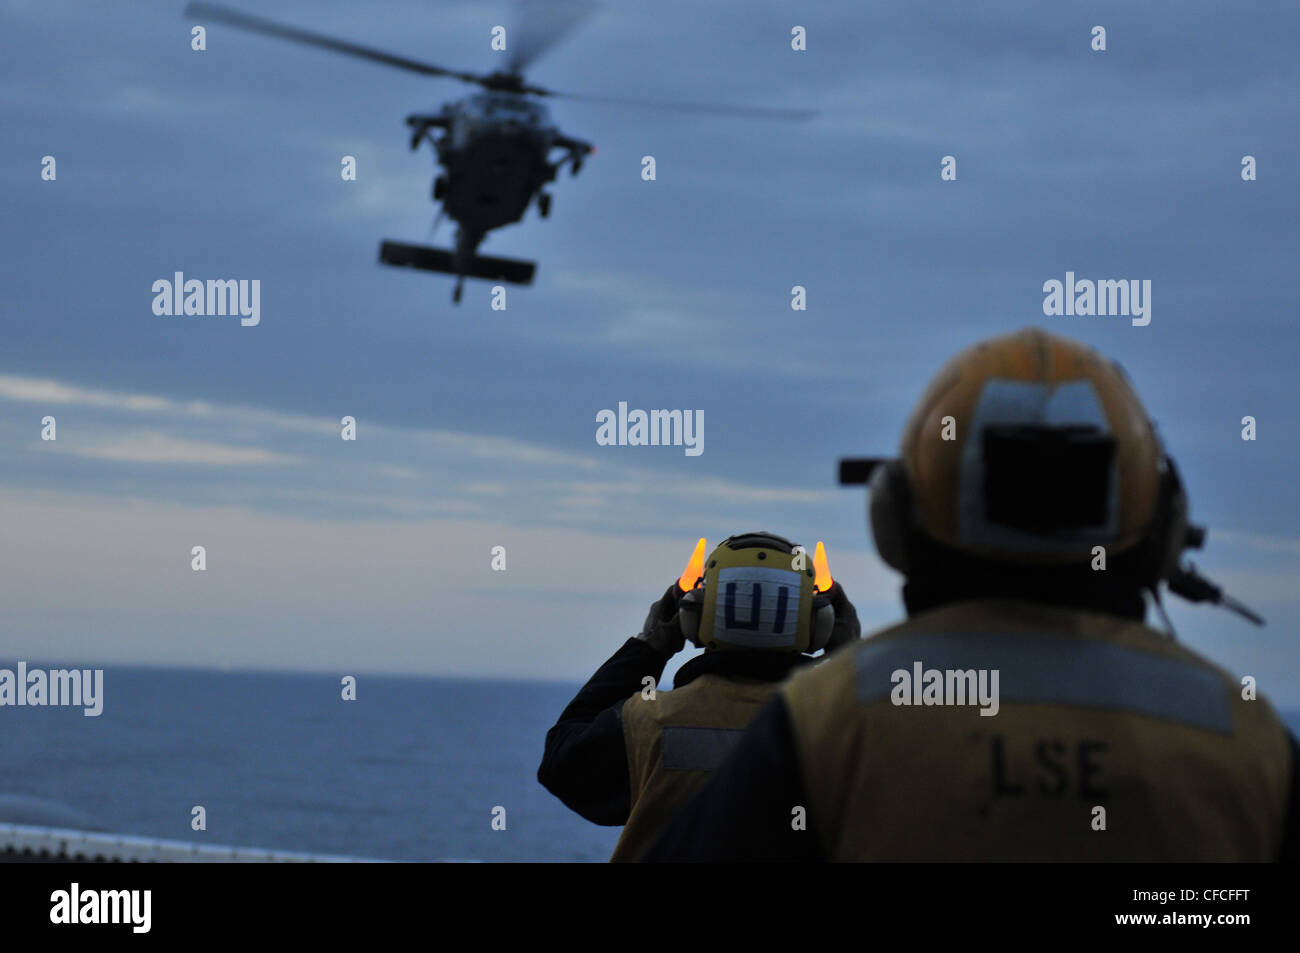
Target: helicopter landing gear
column 544, row 204
column 460, row 284
column 439, row 188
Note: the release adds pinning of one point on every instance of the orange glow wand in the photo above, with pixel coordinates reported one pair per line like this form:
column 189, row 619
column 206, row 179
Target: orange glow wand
column 695, row 568
column 822, row 567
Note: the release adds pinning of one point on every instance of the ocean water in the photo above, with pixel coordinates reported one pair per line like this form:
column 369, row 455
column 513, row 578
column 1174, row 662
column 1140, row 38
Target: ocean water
column 411, row 770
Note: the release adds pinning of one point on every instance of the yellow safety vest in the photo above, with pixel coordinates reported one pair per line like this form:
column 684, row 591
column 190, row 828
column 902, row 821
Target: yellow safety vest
column 1110, row 742
column 674, row 742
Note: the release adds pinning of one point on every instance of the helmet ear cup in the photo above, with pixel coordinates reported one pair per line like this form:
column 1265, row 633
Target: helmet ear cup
column 1175, row 531
column 688, row 615
column 1168, row 534
column 889, row 506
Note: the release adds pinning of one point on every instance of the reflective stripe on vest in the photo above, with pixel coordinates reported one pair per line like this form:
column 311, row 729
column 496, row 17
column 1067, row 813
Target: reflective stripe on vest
column 1053, row 669
column 692, row 748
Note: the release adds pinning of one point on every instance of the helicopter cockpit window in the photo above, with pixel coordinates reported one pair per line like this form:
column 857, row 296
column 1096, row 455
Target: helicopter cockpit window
column 511, row 108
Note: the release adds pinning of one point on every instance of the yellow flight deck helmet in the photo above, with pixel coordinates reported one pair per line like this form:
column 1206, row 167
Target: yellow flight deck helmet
column 1030, row 449
column 1027, row 452
column 755, row 591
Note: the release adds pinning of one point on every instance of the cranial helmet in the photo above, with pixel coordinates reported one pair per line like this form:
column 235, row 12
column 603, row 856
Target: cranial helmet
column 752, row 596
column 1030, row 449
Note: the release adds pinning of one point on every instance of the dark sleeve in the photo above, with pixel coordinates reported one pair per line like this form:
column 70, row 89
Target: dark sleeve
column 585, row 762
column 1290, row 852
column 745, row 812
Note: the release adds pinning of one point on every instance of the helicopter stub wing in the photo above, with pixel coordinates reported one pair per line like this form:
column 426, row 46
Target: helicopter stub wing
column 487, row 267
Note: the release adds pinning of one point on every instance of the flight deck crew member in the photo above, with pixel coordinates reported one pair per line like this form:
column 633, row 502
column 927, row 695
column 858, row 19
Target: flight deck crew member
column 626, row 753
column 1032, row 506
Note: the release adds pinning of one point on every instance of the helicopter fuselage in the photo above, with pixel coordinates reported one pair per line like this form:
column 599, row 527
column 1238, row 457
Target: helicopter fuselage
column 496, row 153
column 495, row 150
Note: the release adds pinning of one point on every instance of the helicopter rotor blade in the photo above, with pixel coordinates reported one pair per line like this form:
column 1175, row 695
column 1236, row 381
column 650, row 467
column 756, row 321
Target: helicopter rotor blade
column 712, row 109
column 538, row 28
column 244, row 21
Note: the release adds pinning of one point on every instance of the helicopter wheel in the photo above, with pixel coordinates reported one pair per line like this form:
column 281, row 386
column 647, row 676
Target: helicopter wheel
column 455, row 295
column 439, row 187
column 544, row 204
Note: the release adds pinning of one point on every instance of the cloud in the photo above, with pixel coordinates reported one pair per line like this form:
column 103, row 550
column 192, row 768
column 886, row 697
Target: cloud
column 159, row 448
column 47, row 391
column 44, row 390
column 396, row 472
column 1268, row 544
column 388, row 472
column 713, row 490
column 105, row 578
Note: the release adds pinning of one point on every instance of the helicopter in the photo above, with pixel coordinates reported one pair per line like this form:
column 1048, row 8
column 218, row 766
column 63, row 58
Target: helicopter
column 498, row 149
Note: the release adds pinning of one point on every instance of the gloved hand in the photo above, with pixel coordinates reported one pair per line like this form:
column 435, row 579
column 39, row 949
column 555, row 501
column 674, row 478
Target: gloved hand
column 661, row 630
column 847, row 628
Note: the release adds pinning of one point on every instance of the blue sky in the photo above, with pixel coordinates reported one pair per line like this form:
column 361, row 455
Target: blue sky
column 477, row 427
